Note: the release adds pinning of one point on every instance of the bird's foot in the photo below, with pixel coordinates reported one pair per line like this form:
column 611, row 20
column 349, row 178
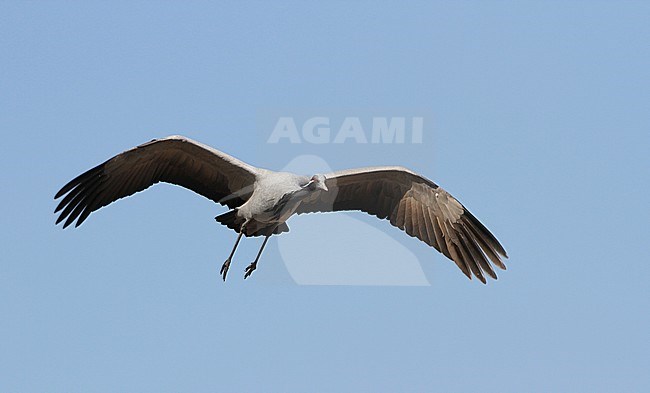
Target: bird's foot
column 250, row 269
column 224, row 269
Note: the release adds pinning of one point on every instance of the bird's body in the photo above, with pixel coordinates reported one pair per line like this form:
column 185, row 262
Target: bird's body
column 261, row 201
column 267, row 205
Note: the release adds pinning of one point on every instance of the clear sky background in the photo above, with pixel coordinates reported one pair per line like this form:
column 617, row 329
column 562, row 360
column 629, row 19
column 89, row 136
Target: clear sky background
column 539, row 124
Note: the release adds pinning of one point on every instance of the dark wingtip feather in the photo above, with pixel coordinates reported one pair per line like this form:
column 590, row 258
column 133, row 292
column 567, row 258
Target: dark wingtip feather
column 70, row 185
column 488, row 235
column 77, row 190
column 59, row 219
column 70, row 219
column 72, row 194
column 67, row 223
column 79, row 179
column 63, row 190
column 471, row 244
column 480, row 276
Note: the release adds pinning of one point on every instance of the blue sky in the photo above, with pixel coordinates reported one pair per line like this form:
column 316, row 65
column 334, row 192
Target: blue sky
column 536, row 118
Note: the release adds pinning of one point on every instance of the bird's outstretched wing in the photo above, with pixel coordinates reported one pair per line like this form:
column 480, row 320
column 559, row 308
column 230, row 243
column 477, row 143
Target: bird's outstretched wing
column 418, row 206
column 175, row 159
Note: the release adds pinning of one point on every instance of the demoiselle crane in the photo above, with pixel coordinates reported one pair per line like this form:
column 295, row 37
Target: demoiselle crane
column 261, row 200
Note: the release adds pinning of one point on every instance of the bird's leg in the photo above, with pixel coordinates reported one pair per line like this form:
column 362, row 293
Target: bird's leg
column 226, row 265
column 253, row 265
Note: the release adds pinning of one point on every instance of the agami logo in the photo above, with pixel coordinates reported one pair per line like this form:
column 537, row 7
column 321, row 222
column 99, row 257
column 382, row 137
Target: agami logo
column 321, row 130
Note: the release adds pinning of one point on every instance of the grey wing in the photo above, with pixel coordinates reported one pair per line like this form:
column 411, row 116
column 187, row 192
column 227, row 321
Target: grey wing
column 175, row 159
column 417, row 206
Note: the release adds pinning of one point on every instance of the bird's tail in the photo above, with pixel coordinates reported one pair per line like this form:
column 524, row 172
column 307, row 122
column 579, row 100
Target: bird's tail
column 230, row 220
column 253, row 228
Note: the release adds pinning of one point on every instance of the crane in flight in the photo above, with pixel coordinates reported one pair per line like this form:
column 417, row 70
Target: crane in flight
column 261, row 200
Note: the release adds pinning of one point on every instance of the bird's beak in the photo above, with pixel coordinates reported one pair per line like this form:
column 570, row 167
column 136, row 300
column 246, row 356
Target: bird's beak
column 322, row 186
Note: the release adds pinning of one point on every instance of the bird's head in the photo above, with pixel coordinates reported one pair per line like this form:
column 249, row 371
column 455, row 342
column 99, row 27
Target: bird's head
column 316, row 182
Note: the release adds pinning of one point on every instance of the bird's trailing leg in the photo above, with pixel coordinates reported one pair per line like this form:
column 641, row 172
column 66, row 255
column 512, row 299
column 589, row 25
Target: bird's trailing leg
column 226, row 265
column 253, row 265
